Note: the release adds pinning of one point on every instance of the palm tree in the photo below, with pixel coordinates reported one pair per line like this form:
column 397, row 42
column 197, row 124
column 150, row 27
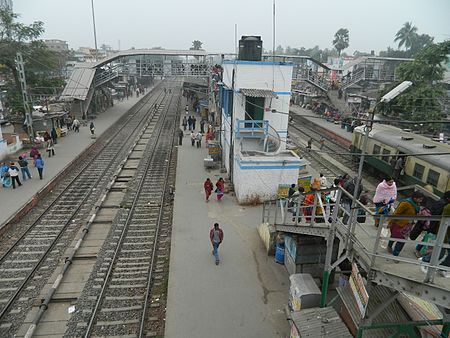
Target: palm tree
column 341, row 39
column 406, row 35
column 196, row 45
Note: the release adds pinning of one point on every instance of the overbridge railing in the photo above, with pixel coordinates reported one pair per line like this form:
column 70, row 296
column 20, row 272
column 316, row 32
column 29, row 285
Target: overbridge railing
column 367, row 243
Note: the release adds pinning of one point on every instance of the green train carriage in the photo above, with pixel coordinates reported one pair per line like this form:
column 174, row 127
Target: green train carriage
column 390, row 141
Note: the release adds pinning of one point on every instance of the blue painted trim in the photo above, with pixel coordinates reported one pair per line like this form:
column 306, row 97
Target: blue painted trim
column 269, row 167
column 238, row 91
column 293, row 162
column 282, row 131
column 242, row 62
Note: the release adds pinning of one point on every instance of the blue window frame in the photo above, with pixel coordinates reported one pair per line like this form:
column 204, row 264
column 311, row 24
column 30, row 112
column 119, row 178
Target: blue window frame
column 227, row 101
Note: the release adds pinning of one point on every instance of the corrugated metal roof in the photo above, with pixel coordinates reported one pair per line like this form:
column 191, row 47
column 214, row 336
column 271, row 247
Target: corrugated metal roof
column 320, row 322
column 258, row 92
column 80, row 81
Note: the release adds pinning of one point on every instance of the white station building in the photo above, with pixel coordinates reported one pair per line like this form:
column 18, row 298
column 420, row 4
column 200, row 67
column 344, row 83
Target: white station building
column 254, row 100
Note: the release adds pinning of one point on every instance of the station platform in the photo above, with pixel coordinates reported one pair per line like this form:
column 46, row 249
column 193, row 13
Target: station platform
column 66, row 150
column 243, row 296
column 320, row 121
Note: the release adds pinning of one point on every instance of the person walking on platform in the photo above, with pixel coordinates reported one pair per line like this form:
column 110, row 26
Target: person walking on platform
column 189, row 121
column 216, row 237
column 202, row 126
column 76, row 125
column 193, row 137
column 23, row 163
column 92, row 128
column 208, row 186
column 14, row 173
column 54, row 135
column 198, row 139
column 220, row 189
column 184, row 122
column 39, row 164
column 193, row 122
column 4, row 175
column 50, row 148
column 400, row 228
column 180, row 136
column 186, row 109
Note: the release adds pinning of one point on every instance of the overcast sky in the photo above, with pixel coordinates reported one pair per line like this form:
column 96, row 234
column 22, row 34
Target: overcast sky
column 173, row 24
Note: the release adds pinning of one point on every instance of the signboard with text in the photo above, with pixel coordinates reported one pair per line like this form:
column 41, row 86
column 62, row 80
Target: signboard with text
column 359, row 290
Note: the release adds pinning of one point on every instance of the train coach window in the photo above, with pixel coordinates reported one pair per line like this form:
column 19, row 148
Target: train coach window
column 433, row 177
column 376, row 149
column 418, row 171
column 385, row 157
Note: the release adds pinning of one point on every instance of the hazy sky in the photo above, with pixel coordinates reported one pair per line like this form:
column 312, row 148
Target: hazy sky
column 173, row 24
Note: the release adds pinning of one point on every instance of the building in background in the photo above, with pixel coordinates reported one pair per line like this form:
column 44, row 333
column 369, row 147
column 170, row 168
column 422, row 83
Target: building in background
column 56, row 45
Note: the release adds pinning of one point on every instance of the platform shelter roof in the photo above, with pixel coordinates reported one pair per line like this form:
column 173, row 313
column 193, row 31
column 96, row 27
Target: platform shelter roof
column 134, row 52
column 79, row 82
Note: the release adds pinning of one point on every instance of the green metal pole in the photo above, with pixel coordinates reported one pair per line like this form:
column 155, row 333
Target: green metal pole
column 323, row 298
column 445, row 330
column 359, row 334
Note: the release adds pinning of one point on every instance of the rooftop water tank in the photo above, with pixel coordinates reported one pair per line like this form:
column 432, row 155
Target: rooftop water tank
column 250, row 48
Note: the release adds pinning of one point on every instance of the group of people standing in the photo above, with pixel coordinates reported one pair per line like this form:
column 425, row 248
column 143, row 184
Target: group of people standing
column 189, row 123
column 9, row 173
column 399, row 229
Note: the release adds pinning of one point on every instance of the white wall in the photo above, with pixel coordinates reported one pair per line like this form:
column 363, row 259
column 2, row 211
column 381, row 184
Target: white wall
column 259, row 75
column 251, row 181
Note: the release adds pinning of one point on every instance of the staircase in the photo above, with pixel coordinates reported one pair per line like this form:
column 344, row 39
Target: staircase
column 104, row 76
column 339, row 104
column 358, row 76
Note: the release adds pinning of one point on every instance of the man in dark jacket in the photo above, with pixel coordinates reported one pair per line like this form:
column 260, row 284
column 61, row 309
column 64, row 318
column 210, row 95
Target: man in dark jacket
column 216, row 237
column 436, row 209
column 442, row 206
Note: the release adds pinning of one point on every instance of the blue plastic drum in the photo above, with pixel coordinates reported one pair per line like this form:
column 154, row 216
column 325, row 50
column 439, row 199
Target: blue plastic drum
column 279, row 253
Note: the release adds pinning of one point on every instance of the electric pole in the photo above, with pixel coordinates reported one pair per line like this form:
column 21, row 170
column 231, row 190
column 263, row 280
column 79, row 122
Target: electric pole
column 25, row 98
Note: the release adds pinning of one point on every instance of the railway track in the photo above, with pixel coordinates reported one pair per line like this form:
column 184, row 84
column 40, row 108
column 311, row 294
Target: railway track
column 317, row 162
column 331, row 146
column 123, row 296
column 29, row 261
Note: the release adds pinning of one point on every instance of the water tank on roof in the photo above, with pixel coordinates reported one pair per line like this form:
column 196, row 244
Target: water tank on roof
column 250, row 48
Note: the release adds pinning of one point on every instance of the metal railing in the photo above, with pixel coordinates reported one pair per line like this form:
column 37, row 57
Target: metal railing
column 369, row 242
column 252, row 129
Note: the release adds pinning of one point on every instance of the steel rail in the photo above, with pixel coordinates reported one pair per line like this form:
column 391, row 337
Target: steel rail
column 68, row 261
column 68, row 222
column 93, row 316
column 160, row 215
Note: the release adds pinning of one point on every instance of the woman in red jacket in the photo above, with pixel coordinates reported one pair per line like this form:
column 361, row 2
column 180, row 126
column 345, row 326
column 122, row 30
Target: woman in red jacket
column 220, row 188
column 208, row 186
